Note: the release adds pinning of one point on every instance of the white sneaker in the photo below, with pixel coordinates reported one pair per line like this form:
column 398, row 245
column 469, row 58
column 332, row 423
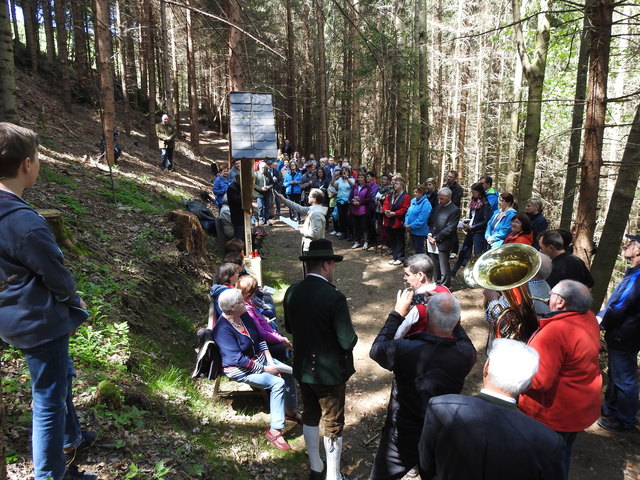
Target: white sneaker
column 333, row 233
column 397, row 262
column 392, row 262
column 365, row 246
column 356, row 245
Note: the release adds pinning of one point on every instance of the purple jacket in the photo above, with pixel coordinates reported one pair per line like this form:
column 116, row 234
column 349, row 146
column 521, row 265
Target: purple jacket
column 265, row 330
column 364, row 194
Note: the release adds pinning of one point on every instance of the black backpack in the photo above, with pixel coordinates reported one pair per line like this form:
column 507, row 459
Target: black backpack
column 208, row 360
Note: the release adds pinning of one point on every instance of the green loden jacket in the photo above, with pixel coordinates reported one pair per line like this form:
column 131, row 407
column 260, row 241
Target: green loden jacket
column 261, row 180
column 166, row 135
column 317, row 315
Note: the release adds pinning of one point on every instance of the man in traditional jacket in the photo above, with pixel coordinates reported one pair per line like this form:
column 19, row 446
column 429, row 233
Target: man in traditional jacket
column 166, row 134
column 317, row 315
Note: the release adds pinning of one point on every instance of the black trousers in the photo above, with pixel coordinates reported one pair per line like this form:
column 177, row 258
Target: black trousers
column 361, row 228
column 441, row 267
column 398, row 452
column 396, row 242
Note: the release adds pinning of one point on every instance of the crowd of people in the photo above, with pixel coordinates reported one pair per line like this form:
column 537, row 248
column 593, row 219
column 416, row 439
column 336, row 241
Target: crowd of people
column 367, row 210
column 538, row 394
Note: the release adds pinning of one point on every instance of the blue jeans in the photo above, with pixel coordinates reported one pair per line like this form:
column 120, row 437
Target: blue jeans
column 282, row 393
column 565, row 460
column 621, row 397
column 264, row 207
column 55, row 423
column 166, row 158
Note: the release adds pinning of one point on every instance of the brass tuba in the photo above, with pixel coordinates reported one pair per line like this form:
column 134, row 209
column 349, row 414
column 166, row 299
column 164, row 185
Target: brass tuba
column 507, row 269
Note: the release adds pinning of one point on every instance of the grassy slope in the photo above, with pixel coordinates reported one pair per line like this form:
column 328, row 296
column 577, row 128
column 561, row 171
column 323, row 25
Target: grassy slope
column 146, row 300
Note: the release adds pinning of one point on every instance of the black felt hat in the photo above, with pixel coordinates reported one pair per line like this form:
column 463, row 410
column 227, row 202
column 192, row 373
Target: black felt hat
column 320, row 250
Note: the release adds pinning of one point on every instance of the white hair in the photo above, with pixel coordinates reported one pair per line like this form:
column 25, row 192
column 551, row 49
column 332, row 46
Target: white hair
column 445, row 191
column 444, row 311
column 512, row 365
column 229, row 299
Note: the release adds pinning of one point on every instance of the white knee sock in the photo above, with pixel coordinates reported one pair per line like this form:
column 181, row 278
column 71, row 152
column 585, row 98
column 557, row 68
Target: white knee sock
column 333, row 449
column 312, row 440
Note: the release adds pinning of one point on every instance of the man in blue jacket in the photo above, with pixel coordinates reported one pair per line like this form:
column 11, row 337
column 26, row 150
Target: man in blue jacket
column 621, row 320
column 39, row 309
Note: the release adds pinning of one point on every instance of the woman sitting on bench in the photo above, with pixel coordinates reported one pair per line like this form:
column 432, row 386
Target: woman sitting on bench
column 246, row 358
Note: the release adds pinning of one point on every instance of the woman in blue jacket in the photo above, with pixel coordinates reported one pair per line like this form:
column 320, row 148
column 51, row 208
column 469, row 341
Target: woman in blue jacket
column 500, row 224
column 415, row 221
column 221, row 184
column 292, row 188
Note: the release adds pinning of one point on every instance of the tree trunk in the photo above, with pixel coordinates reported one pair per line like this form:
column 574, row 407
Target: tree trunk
column 191, row 82
column 48, row 31
column 31, row 32
column 423, row 93
column 399, row 74
column 291, row 66
column 166, row 64
column 618, row 216
column 174, row 72
column 8, row 106
column 149, row 61
column 355, row 134
column 14, row 21
column 129, row 49
column 308, row 110
column 600, row 17
column 236, row 67
column 577, row 117
column 63, row 52
column 104, row 52
column 81, row 59
column 122, row 55
column 513, row 156
column 321, row 72
column 534, row 72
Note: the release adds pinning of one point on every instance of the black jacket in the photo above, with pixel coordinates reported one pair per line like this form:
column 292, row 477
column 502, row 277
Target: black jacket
column 483, row 437
column 234, row 198
column 482, row 217
column 569, row 267
column 423, row 366
column 456, row 193
column 443, row 225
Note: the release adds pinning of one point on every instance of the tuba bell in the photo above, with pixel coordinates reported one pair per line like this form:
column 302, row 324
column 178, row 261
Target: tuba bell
column 507, row 269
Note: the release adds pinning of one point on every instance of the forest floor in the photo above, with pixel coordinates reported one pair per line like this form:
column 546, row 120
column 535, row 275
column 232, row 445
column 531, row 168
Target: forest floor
column 147, row 299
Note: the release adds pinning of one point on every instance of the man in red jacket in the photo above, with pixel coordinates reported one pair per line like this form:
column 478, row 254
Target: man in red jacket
column 565, row 393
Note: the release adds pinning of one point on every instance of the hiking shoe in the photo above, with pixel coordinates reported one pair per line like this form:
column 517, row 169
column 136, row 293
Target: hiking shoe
column 365, row 246
column 612, row 424
column 88, row 439
column 73, row 473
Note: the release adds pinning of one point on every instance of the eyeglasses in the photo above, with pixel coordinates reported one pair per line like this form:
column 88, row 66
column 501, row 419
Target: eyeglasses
column 556, row 294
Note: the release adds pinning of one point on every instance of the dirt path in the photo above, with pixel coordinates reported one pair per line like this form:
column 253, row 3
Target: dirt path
column 370, row 285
